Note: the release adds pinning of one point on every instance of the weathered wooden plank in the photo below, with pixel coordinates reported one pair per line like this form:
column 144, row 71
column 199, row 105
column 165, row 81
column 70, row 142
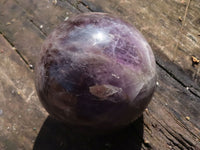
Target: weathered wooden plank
column 21, row 114
column 47, row 14
column 165, row 124
column 16, row 27
column 26, row 23
column 168, row 110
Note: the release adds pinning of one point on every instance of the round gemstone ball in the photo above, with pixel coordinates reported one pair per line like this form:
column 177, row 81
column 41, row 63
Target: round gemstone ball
column 95, row 71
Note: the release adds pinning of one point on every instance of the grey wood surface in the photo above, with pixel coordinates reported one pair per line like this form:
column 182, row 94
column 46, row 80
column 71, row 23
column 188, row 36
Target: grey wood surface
column 172, row 119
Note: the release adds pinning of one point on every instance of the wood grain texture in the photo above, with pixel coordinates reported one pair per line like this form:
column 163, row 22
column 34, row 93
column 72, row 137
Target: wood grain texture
column 20, row 117
column 172, row 120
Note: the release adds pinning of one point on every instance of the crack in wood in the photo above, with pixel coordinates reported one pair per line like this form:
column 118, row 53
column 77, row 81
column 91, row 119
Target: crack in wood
column 179, row 138
column 175, row 78
column 18, row 53
column 195, row 94
column 147, row 145
column 181, row 125
column 31, row 20
column 183, row 141
column 76, row 4
column 34, row 24
column 87, row 6
column 171, row 140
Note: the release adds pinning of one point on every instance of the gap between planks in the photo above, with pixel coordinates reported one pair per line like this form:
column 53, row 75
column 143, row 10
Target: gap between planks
column 18, row 53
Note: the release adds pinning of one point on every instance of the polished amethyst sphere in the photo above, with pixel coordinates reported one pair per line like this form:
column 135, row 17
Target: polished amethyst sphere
column 95, row 71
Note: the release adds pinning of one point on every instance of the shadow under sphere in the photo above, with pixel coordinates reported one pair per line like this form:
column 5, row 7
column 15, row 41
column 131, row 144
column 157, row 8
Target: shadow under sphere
column 54, row 135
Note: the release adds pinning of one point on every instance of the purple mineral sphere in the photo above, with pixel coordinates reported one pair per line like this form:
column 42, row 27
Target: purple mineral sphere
column 95, row 71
